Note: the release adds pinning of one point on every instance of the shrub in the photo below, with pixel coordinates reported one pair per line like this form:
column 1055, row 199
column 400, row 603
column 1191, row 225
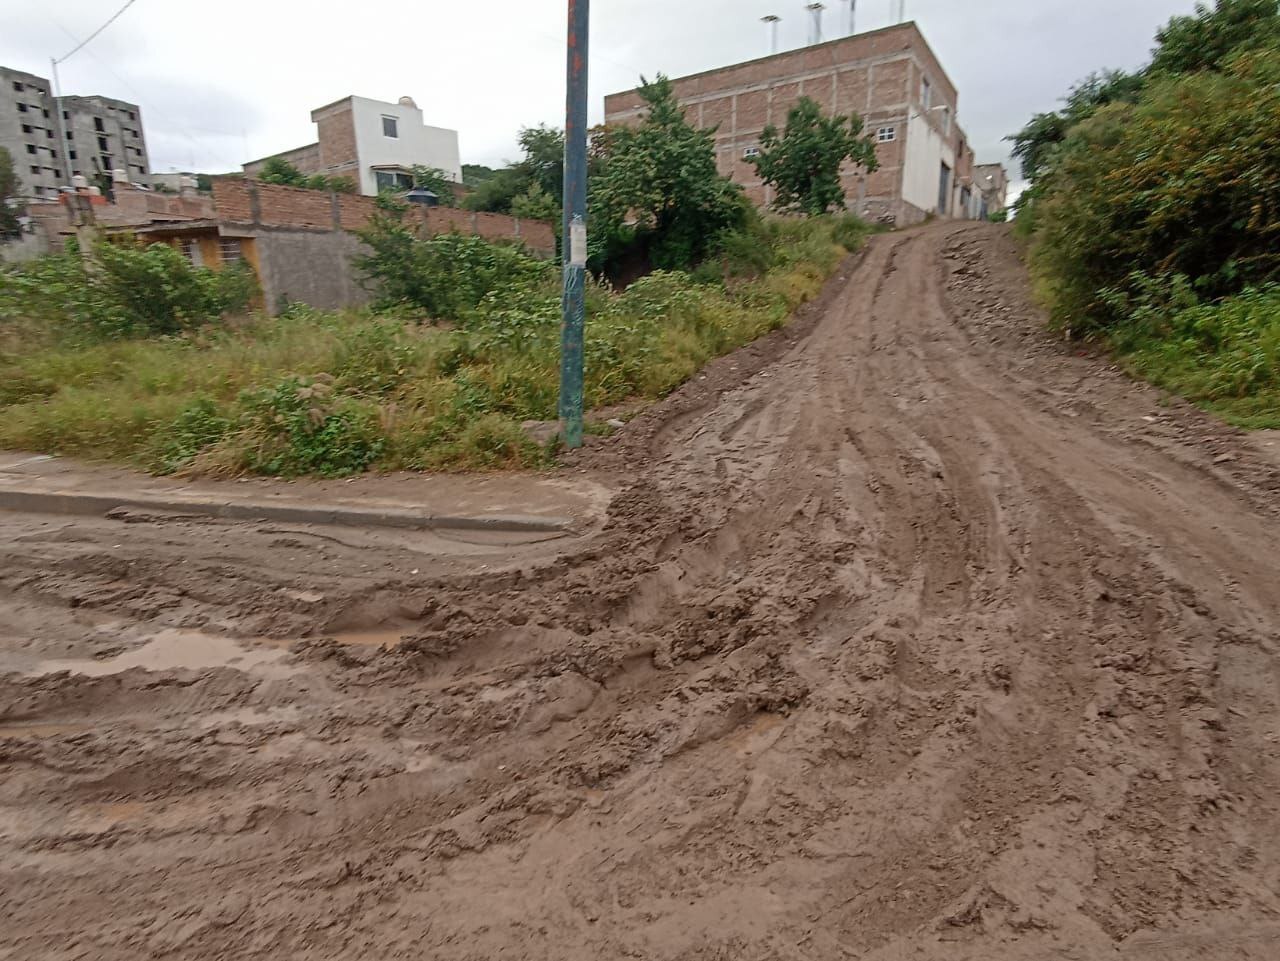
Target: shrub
column 302, row 426
column 125, row 289
column 447, row 275
column 1187, row 181
column 1223, row 354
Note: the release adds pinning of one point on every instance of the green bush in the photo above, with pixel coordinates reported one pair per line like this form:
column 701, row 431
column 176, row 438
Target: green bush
column 302, row 426
column 1224, row 354
column 447, row 275
column 123, row 290
column 1187, row 181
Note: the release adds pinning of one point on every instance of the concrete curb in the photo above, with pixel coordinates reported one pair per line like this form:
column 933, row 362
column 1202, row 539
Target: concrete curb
column 84, row 505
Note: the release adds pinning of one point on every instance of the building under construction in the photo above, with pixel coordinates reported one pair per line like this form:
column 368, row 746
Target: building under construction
column 890, row 77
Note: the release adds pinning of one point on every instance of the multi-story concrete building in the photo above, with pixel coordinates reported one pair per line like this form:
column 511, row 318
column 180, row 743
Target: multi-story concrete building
column 29, row 131
column 890, row 77
column 51, row 142
column 375, row 143
column 104, row 135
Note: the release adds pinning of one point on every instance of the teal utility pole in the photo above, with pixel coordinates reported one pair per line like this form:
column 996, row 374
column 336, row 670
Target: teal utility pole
column 574, row 242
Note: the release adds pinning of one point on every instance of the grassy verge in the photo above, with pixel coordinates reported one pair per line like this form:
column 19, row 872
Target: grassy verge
column 1223, row 356
column 335, row 393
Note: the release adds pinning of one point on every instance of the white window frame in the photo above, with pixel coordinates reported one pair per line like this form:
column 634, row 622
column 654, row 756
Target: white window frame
column 887, row 134
column 395, row 127
column 749, row 152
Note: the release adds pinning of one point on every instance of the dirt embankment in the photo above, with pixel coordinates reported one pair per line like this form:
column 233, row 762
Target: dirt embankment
column 923, row 637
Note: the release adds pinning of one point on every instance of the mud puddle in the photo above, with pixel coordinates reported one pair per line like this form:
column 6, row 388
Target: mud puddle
column 175, row 650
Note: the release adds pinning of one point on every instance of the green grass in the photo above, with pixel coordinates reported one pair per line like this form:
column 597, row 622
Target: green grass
column 329, row 394
column 1223, row 356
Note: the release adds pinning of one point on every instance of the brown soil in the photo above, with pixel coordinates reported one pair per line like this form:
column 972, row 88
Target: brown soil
column 913, row 633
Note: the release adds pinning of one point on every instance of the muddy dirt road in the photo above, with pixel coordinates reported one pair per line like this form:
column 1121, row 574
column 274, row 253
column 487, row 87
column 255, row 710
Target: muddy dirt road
column 911, row 634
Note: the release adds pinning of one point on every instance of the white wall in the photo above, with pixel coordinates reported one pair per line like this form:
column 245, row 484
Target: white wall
column 926, row 152
column 417, row 144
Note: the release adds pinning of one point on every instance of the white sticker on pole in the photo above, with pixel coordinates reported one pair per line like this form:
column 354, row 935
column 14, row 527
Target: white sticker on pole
column 577, row 244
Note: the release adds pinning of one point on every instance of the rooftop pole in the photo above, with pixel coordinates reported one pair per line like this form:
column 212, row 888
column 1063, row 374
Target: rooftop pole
column 574, row 242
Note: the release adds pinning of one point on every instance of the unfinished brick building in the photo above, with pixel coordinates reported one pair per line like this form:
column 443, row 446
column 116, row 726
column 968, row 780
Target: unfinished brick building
column 889, row 77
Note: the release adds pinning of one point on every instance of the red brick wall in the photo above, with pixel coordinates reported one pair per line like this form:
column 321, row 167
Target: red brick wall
column 336, row 129
column 231, row 200
column 294, row 207
column 279, row 206
column 354, row 210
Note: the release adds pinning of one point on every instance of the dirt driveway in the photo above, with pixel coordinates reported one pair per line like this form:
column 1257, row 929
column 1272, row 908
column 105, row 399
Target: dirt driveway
column 913, row 634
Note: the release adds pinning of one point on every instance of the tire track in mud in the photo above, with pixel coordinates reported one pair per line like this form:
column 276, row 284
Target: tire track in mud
column 878, row 656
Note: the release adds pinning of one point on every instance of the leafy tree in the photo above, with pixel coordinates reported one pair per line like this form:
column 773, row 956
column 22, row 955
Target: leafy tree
column 1186, row 181
column 536, row 204
column 473, row 175
column 496, row 193
column 1034, row 144
column 543, row 162
column 8, row 194
column 803, row 163
column 657, row 185
column 438, row 182
column 1208, row 39
column 447, row 275
column 542, row 165
column 277, row 170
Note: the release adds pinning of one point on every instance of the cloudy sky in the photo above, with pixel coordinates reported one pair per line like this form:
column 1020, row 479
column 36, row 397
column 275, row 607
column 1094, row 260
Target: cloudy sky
column 225, row 82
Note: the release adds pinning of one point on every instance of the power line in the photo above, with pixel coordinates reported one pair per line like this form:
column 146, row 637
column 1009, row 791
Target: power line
column 114, row 17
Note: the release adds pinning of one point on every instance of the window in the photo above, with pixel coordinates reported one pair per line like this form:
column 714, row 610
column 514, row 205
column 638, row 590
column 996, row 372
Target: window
column 132, row 116
column 887, row 134
column 750, row 152
column 390, row 127
column 35, row 170
column 926, row 93
column 49, row 134
column 68, row 134
column 107, row 164
column 71, row 154
column 66, row 115
column 46, row 113
column 98, row 125
column 102, row 144
column 31, row 148
column 392, row 180
column 231, row 250
column 191, row 250
column 17, row 85
column 27, row 128
column 22, row 108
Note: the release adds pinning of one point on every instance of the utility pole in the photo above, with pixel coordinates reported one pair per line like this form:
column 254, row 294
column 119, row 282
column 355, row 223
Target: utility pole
column 574, row 242
column 64, row 158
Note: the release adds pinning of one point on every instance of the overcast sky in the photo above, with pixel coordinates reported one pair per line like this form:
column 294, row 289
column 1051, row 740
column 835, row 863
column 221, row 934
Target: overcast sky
column 228, row 81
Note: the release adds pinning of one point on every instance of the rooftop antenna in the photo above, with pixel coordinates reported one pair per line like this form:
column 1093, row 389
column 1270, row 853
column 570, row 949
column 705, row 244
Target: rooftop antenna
column 898, row 11
column 853, row 17
column 815, row 28
column 772, row 22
